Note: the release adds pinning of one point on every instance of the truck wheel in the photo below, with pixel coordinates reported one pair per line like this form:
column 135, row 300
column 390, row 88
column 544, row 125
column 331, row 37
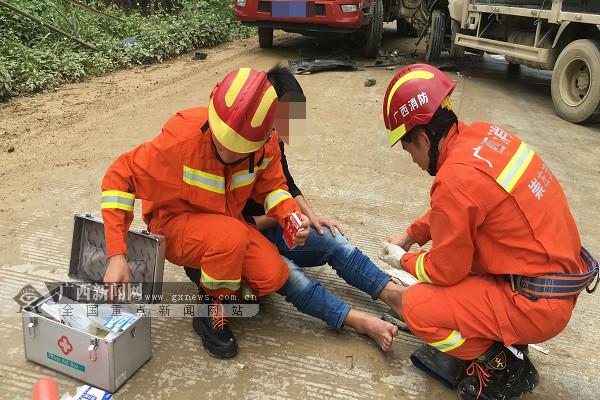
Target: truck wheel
column 576, row 82
column 456, row 51
column 436, row 36
column 374, row 30
column 265, row 38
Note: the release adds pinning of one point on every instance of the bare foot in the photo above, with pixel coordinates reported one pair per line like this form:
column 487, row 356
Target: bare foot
column 380, row 331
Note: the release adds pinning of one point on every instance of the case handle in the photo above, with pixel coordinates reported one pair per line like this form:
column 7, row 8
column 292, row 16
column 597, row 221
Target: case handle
column 92, row 349
column 31, row 326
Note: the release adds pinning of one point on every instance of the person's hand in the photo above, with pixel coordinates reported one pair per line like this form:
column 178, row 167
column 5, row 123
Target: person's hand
column 403, row 241
column 116, row 273
column 303, row 232
column 319, row 222
column 391, row 254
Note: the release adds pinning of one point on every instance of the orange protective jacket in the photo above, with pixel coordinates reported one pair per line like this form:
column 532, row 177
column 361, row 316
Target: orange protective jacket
column 495, row 208
column 179, row 172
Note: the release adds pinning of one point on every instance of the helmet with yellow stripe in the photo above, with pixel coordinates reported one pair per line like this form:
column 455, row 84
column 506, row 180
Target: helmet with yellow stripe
column 241, row 111
column 412, row 98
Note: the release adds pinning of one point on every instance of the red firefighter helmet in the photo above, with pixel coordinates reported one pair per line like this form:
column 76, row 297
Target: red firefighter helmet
column 412, row 98
column 241, row 111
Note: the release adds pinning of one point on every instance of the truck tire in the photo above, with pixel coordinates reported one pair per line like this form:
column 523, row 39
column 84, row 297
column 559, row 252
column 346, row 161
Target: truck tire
column 576, row 82
column 374, row 31
column 437, row 30
column 457, row 52
column 265, row 38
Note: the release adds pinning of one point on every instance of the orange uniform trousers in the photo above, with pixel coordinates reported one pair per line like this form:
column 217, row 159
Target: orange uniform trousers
column 465, row 319
column 228, row 251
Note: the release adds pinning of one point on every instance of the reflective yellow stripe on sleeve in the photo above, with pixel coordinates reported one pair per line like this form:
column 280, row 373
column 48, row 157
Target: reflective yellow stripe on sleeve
column 211, row 283
column 274, row 198
column 453, row 341
column 420, row 269
column 515, row 168
column 118, row 199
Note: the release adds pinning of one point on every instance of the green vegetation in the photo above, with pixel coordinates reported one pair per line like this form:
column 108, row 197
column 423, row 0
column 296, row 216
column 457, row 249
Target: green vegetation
column 33, row 58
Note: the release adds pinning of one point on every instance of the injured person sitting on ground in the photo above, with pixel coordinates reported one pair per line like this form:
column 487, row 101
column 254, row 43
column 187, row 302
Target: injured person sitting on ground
column 325, row 244
column 506, row 263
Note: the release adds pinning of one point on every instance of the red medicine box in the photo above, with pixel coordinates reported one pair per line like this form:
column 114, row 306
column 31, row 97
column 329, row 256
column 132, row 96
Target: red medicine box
column 292, row 227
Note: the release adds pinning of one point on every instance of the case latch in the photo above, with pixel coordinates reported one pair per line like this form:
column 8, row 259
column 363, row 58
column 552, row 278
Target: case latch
column 31, row 326
column 92, row 349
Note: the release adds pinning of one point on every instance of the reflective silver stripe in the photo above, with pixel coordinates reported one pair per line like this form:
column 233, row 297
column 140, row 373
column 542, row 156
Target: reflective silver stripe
column 515, row 168
column 420, row 269
column 453, row 341
column 118, row 199
column 242, row 180
column 199, row 178
column 211, row 283
column 205, row 180
column 239, row 180
column 274, row 198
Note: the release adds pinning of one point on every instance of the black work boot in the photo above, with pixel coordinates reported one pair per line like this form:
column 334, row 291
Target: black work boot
column 216, row 334
column 498, row 375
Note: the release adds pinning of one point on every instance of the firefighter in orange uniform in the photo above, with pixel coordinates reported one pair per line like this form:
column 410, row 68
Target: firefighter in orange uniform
column 194, row 180
column 506, row 263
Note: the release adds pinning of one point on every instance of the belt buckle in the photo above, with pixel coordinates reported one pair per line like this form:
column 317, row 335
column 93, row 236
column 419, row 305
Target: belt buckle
column 515, row 282
column 593, row 289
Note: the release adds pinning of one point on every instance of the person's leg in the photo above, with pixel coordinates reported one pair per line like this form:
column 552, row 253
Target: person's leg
column 478, row 311
column 263, row 270
column 347, row 260
column 215, row 244
column 194, row 275
column 213, row 247
column 475, row 320
column 310, row 297
column 458, row 320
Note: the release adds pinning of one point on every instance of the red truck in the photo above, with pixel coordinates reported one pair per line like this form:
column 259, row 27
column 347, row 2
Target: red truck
column 362, row 19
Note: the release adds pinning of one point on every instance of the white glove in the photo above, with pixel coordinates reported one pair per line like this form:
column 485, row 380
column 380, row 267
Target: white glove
column 391, row 254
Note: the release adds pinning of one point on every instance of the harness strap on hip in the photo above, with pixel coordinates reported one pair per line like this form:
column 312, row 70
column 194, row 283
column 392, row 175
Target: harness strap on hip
column 553, row 286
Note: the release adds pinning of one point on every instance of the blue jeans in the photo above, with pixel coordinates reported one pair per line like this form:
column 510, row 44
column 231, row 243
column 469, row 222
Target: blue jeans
column 308, row 295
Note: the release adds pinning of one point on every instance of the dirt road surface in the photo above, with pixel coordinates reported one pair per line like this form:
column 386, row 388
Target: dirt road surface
column 55, row 147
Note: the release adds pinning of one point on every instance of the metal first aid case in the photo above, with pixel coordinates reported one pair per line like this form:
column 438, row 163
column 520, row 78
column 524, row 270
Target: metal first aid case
column 103, row 362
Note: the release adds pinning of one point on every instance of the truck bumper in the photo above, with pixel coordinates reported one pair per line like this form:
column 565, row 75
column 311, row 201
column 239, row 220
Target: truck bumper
column 321, row 15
